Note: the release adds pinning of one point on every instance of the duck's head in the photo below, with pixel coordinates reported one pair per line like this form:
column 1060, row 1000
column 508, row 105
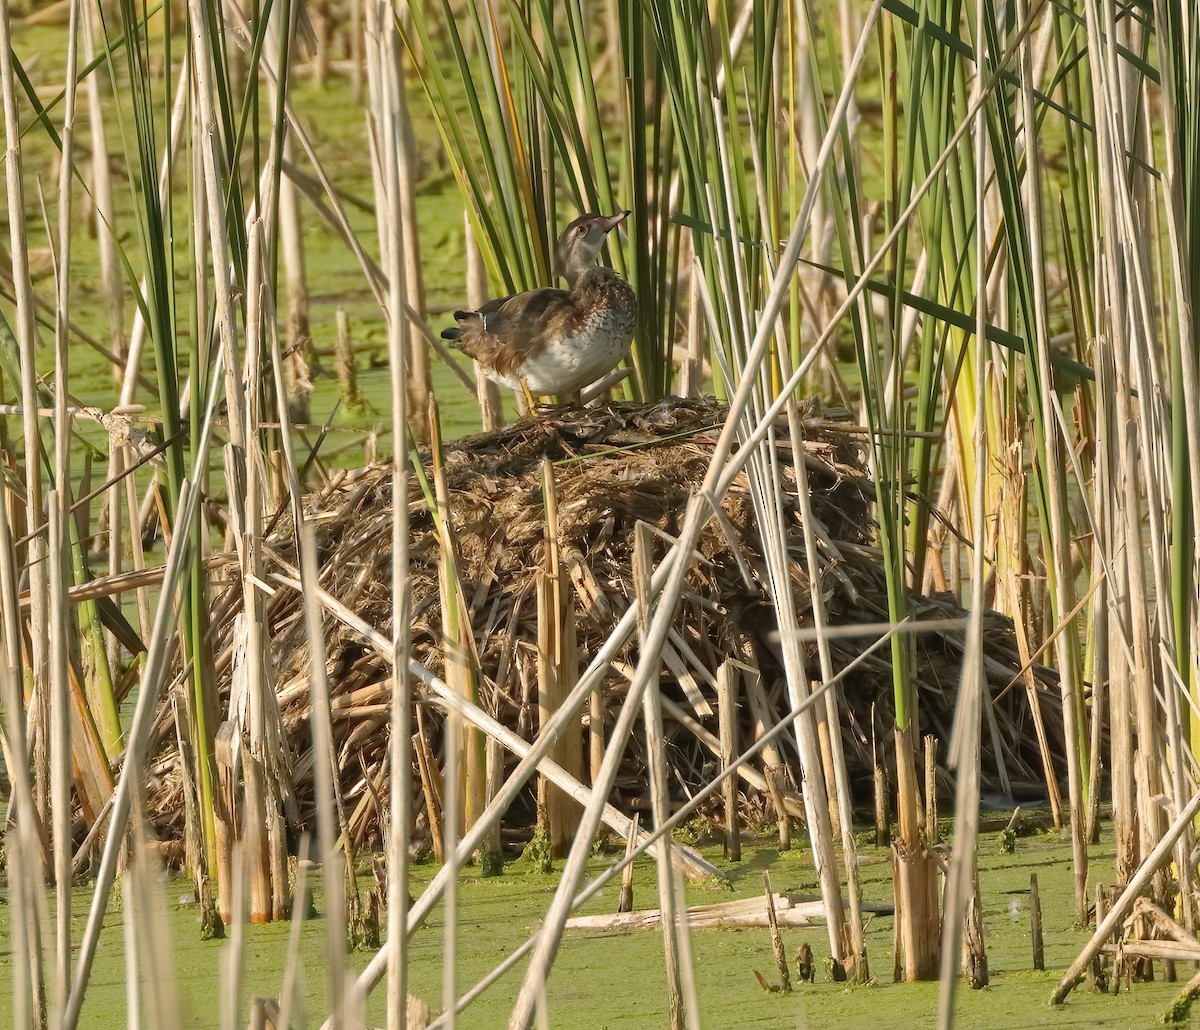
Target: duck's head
column 581, row 242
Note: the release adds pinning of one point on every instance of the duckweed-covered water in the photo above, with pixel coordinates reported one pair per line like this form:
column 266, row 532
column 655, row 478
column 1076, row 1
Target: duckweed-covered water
column 617, row 980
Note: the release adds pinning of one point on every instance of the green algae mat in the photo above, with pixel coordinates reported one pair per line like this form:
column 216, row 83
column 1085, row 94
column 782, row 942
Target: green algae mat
column 617, row 979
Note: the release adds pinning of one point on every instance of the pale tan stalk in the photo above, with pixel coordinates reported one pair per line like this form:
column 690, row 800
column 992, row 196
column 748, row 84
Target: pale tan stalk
column 133, row 977
column 1184, row 313
column 453, row 732
column 859, row 970
column 814, row 781
column 964, row 747
column 857, row 958
column 232, row 954
column 660, row 802
column 291, row 246
column 404, row 207
column 137, row 338
column 1059, row 556
column 382, row 46
column 151, row 935
column 207, row 123
column 258, row 713
column 292, row 970
column 102, row 196
column 26, row 843
column 487, row 391
column 26, row 336
column 58, row 502
column 324, row 767
column 60, row 754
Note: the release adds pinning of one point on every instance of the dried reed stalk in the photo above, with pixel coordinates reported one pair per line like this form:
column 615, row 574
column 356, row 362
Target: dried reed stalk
column 487, row 392
column 382, row 50
column 551, row 935
column 60, row 754
column 26, row 338
column 727, row 707
column 1137, row 884
column 460, row 659
column 1057, row 532
column 58, row 506
column 557, row 666
column 818, row 799
column 962, row 879
column 27, row 843
column 331, row 859
column 660, row 803
column 268, row 775
column 855, row 956
column 281, row 41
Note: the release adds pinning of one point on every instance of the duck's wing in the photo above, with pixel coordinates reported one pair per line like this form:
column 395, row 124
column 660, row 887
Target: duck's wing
column 501, row 333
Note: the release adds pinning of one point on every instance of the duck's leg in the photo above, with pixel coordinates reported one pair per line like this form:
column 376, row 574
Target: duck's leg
column 530, row 403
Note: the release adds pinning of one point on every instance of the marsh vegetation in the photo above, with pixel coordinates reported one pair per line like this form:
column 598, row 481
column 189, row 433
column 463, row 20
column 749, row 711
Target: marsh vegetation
column 931, row 534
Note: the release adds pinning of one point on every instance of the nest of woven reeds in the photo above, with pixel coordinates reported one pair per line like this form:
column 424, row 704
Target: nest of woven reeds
column 614, row 467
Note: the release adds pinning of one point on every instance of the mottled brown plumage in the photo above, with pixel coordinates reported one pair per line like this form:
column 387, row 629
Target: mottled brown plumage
column 551, row 341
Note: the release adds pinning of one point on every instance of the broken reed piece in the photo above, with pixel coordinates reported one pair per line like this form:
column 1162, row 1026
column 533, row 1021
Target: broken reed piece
column 345, row 365
column 795, row 910
column 557, row 672
column 883, row 815
column 1035, row 924
column 431, row 784
column 1097, row 971
column 595, row 731
column 879, row 779
column 625, row 898
column 785, row 980
column 727, row 715
column 1137, row 883
column 264, row 1013
column 491, row 854
column 417, row 1015
column 1173, row 943
column 775, row 781
column 974, row 947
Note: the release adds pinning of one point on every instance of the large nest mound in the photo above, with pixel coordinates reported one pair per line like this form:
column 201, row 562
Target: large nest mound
column 614, row 467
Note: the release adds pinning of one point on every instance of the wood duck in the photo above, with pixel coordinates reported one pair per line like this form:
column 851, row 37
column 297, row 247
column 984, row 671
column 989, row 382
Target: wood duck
column 551, row 341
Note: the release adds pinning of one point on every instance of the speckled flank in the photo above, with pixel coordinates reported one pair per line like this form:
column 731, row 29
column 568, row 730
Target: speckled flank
column 571, row 362
column 598, row 338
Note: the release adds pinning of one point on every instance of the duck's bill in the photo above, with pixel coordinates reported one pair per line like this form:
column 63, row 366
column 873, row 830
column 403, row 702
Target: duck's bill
column 610, row 222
